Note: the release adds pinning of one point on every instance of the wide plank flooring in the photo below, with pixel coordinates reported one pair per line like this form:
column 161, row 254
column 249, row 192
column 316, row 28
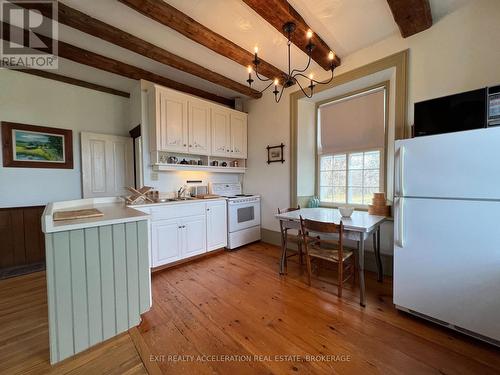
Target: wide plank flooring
column 233, row 314
column 24, row 337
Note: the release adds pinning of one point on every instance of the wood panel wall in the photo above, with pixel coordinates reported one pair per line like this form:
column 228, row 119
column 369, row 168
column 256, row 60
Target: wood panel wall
column 21, row 238
column 98, row 284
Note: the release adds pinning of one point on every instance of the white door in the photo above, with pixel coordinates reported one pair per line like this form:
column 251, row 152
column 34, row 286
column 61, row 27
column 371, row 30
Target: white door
column 107, row 164
column 173, row 121
column 166, row 241
column 216, row 225
column 199, row 127
column 221, row 129
column 447, row 266
column 194, row 235
column 454, row 165
column 239, row 135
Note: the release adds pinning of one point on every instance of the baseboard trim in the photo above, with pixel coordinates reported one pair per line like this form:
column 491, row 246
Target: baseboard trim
column 274, row 238
column 187, row 260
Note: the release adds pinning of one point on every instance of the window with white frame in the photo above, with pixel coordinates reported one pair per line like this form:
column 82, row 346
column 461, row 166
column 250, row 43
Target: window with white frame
column 350, row 178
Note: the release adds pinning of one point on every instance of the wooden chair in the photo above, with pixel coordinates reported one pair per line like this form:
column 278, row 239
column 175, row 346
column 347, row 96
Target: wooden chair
column 287, row 237
column 331, row 251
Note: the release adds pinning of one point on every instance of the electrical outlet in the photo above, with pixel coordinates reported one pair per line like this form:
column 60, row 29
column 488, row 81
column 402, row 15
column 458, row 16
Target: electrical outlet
column 154, row 176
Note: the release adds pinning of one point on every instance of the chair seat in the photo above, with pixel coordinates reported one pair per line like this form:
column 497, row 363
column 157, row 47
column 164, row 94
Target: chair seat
column 328, row 254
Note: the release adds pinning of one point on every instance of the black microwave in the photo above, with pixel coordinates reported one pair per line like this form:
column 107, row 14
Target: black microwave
column 494, row 106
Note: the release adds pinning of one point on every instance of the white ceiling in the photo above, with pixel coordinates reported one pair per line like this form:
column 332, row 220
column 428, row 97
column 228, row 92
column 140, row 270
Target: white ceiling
column 345, row 25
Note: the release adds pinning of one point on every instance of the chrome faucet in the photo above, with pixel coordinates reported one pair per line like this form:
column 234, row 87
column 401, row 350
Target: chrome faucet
column 181, row 191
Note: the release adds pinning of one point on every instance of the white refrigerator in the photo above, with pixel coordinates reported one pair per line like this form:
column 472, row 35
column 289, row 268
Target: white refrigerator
column 447, row 230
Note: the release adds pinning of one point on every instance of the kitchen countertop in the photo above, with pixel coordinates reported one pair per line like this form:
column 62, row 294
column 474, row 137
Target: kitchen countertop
column 114, row 209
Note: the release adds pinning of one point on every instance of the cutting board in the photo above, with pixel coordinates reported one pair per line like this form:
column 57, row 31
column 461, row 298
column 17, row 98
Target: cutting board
column 77, row 214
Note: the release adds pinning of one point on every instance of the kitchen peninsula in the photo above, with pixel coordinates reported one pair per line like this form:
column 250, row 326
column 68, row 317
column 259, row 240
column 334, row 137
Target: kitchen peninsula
column 98, row 279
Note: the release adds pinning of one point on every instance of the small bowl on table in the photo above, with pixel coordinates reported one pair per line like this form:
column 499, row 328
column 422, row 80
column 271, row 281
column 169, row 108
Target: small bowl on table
column 346, row 211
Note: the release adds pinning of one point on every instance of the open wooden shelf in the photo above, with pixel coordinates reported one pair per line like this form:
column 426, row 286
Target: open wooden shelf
column 188, row 167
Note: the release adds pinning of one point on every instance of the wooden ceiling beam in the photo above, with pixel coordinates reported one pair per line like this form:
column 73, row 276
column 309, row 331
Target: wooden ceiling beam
column 412, row 16
column 101, row 62
column 169, row 16
column 279, row 12
column 83, row 22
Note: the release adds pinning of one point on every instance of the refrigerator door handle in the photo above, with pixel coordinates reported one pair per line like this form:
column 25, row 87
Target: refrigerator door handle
column 399, row 222
column 400, row 188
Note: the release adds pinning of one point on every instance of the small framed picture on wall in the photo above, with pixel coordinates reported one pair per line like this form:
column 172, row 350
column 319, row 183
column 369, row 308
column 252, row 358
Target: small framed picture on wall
column 275, row 154
column 30, row 146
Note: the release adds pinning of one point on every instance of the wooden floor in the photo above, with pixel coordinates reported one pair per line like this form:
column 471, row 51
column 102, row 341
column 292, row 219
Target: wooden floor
column 232, row 314
column 235, row 304
column 24, row 337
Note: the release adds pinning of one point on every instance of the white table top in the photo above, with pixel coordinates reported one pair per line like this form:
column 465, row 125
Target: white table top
column 360, row 221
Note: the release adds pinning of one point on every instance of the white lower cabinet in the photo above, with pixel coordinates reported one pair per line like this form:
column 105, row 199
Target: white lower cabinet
column 216, row 225
column 165, row 241
column 194, row 236
column 184, row 230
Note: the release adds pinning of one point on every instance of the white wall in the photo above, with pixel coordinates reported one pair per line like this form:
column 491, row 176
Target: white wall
column 459, row 53
column 34, row 100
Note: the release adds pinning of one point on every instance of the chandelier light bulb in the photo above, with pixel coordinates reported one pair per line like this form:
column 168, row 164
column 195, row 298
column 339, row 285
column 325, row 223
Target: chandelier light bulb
column 249, row 69
column 331, row 56
column 256, row 49
column 276, row 82
column 311, row 76
column 309, row 34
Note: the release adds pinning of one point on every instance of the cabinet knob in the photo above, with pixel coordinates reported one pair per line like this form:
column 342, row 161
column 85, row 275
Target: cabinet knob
column 184, row 145
column 190, row 145
column 228, row 150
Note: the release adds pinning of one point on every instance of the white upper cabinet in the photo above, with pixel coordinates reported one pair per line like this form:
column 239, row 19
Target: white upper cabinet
column 221, row 133
column 199, row 127
column 173, row 121
column 185, row 124
column 238, row 135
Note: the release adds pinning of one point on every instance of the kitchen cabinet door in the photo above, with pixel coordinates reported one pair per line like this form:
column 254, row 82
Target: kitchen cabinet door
column 216, row 225
column 173, row 121
column 221, row 140
column 194, row 235
column 166, row 241
column 199, row 127
column 238, row 135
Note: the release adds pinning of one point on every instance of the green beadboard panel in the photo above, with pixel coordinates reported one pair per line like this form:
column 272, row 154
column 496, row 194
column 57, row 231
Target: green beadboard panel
column 64, row 309
column 79, row 290
column 107, row 281
column 93, row 263
column 144, row 270
column 51, row 300
column 98, row 283
column 131, row 239
column 120, row 262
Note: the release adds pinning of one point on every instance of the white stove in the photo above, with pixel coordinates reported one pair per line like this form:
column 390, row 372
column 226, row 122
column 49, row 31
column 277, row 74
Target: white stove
column 243, row 214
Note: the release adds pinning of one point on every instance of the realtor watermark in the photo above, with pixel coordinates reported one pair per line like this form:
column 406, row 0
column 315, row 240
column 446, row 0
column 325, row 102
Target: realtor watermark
column 250, row 358
column 29, row 34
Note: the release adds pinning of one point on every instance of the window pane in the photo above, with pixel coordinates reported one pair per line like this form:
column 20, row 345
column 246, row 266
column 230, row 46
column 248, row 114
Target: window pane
column 372, row 160
column 339, row 162
column 326, row 163
column 339, row 178
column 355, row 178
column 326, row 178
column 355, row 195
column 339, row 194
column 371, row 178
column 356, row 161
column 326, row 194
column 368, row 195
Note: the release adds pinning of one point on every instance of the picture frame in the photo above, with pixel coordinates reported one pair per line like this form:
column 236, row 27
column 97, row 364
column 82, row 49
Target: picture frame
column 275, row 154
column 31, row 146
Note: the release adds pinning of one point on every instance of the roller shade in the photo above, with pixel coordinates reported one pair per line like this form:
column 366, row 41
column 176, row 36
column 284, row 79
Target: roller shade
column 351, row 124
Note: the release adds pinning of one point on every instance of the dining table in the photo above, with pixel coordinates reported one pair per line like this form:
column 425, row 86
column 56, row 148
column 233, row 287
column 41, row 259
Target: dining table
column 358, row 227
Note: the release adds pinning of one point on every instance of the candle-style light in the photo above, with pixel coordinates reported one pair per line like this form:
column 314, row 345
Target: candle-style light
column 249, row 80
column 276, row 82
column 309, row 34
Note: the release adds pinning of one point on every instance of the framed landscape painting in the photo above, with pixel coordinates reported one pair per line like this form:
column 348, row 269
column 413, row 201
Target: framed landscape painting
column 30, row 146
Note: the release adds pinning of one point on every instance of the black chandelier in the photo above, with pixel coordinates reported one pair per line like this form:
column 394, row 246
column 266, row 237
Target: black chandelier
column 291, row 78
